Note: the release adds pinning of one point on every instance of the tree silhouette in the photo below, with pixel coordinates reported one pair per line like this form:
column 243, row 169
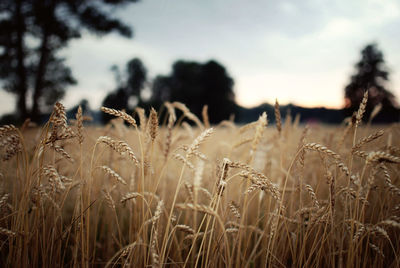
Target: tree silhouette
column 129, row 84
column 372, row 75
column 136, row 78
column 117, row 99
column 196, row 85
column 31, row 34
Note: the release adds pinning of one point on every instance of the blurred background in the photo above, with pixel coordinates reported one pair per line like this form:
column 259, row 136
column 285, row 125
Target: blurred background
column 316, row 57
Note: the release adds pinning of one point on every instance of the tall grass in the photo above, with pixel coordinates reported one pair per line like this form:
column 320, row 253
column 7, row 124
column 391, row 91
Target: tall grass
column 140, row 194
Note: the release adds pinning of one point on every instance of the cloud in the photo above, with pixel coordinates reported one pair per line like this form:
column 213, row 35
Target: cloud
column 287, row 7
column 90, row 59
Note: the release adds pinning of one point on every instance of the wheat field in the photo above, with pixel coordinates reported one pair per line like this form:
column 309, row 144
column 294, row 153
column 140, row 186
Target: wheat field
column 166, row 189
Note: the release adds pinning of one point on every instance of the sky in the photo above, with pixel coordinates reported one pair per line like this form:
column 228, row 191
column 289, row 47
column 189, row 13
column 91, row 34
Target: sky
column 300, row 52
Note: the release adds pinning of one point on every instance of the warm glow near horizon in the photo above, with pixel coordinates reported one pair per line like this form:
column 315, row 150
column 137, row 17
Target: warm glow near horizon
column 305, row 90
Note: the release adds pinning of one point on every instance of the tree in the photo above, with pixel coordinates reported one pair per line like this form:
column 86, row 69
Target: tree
column 197, row 84
column 129, row 84
column 372, row 75
column 136, row 78
column 31, row 34
column 117, row 99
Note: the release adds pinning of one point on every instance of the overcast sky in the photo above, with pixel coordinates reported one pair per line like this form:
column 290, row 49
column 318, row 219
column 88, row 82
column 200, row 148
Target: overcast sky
column 301, row 52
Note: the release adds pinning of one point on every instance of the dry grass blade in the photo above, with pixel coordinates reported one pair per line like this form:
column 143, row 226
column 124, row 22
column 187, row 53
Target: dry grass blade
column 197, row 207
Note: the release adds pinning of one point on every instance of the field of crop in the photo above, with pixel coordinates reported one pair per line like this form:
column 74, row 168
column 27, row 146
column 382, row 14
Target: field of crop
column 158, row 191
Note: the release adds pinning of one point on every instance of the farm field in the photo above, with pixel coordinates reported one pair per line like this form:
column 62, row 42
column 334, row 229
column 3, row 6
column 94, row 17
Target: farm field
column 153, row 190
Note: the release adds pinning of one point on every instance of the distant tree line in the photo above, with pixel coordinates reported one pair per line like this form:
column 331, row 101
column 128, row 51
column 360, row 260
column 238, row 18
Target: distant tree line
column 198, row 84
column 192, row 83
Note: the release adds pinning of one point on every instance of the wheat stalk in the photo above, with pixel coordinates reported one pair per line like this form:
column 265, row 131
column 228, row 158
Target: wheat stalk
column 113, row 174
column 278, row 117
column 120, row 147
column 79, row 119
column 153, row 124
column 234, row 208
column 120, row 114
column 361, row 109
column 188, row 114
column 142, row 117
column 194, row 147
column 262, row 123
column 366, row 140
column 204, row 113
